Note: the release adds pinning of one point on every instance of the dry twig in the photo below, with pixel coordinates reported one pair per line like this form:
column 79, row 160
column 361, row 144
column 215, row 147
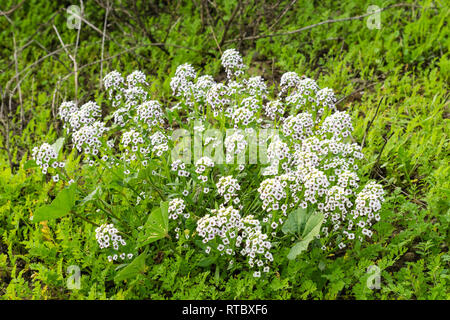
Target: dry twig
column 330, row 21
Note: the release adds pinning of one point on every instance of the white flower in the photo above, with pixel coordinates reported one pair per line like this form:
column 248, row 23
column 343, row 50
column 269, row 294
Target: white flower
column 176, row 208
column 288, row 80
column 228, row 187
column 298, row 127
column 150, row 112
column 181, row 83
column 232, row 62
column 86, row 115
column 256, row 87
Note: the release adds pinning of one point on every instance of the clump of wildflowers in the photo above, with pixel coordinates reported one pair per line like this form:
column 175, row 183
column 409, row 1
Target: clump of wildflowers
column 108, row 237
column 46, row 157
column 183, row 81
column 228, row 187
column 312, row 162
column 229, row 234
column 176, row 208
column 232, row 62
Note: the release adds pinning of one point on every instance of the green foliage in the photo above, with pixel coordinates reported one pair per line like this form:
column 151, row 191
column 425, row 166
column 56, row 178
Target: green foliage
column 157, row 225
column 59, row 207
column 133, row 269
column 305, row 224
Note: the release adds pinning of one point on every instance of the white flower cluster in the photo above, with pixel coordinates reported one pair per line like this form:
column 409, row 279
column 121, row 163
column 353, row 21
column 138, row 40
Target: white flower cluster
column 326, row 99
column 202, row 86
column 272, row 193
column 66, row 110
column 106, row 235
column 303, row 94
column 87, row 114
column 135, row 78
column 277, row 150
column 232, row 62
column 182, row 82
column 176, row 208
column 150, row 112
column 368, row 202
column 338, row 124
column 125, row 95
column 201, row 165
column 45, row 157
column 298, row 127
column 235, row 88
column 274, row 109
column 256, row 87
column 134, row 145
column 159, row 143
column 180, row 167
column 227, row 187
column 88, row 139
column 289, row 80
column 217, row 98
column 251, row 103
column 113, row 81
column 225, row 231
column 242, row 117
column 235, row 143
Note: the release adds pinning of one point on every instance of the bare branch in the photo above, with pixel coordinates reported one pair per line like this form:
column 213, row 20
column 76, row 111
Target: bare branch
column 282, row 14
column 8, row 12
column 103, row 42
column 322, row 23
column 227, row 26
column 370, row 123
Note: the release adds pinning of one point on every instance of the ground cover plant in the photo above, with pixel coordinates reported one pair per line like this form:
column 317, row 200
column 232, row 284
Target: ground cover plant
column 204, row 159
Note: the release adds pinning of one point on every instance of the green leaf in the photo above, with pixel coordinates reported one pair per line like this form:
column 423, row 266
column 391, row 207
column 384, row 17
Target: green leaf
column 315, row 221
column 295, row 222
column 30, row 164
column 133, row 269
column 59, row 207
column 91, row 196
column 206, row 262
column 306, row 224
column 157, row 225
column 58, row 145
column 130, row 177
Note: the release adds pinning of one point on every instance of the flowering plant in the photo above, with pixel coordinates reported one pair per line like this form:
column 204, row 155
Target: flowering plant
column 290, row 169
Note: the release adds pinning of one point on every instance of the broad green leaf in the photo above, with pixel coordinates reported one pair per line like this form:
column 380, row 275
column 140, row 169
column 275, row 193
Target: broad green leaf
column 30, row 164
column 59, row 207
column 133, row 269
column 304, row 223
column 297, row 249
column 91, row 196
column 295, row 221
column 314, row 221
column 206, row 262
column 310, row 231
column 157, row 225
column 58, row 145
